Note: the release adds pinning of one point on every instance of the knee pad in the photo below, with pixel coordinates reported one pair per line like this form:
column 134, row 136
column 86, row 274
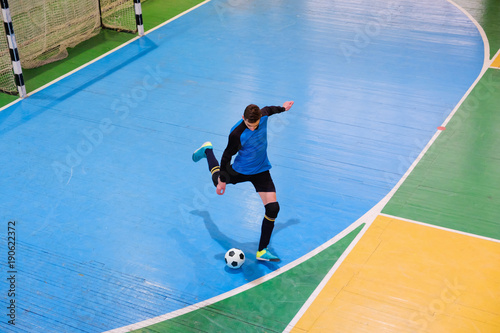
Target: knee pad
column 272, row 210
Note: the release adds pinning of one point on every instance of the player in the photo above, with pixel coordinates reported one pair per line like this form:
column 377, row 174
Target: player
column 248, row 141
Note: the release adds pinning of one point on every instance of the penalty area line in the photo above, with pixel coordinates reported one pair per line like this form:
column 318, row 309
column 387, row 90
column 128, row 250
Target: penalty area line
column 245, row 287
column 377, row 209
column 366, row 219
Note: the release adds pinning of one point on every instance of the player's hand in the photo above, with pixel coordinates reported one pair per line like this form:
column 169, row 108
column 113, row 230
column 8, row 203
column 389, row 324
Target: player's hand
column 221, row 188
column 287, row 105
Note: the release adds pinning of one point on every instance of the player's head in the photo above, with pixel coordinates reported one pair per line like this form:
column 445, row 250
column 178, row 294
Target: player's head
column 252, row 116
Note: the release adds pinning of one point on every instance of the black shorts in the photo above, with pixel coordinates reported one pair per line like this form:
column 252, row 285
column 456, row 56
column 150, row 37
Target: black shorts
column 261, row 181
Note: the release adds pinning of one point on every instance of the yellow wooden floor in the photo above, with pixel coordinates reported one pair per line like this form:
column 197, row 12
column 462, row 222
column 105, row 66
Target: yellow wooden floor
column 496, row 62
column 407, row 277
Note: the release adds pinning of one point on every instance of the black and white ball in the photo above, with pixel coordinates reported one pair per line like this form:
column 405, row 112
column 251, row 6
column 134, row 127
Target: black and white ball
column 234, row 258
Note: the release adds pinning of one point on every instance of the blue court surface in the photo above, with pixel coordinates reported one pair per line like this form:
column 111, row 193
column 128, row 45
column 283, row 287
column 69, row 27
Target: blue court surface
column 116, row 224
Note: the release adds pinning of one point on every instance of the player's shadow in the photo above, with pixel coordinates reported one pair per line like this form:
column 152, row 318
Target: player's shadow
column 250, row 269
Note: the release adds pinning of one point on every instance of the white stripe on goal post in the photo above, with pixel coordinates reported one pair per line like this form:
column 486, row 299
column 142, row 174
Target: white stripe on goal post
column 138, row 17
column 14, row 53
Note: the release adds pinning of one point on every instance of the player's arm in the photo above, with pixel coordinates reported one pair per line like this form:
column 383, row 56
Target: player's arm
column 270, row 110
column 287, row 105
column 233, row 145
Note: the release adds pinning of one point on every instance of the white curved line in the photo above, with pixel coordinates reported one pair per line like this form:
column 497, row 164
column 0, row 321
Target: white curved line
column 104, row 55
column 378, row 208
column 486, row 43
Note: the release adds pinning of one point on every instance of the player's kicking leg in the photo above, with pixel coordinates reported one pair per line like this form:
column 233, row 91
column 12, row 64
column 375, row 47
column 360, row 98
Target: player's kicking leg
column 206, row 151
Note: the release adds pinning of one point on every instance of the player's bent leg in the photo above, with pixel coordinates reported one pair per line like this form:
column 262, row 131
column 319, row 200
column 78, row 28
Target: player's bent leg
column 206, row 151
column 215, row 176
column 213, row 165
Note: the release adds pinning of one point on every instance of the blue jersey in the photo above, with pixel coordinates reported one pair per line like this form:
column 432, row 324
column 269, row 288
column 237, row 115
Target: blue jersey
column 252, row 156
column 250, row 146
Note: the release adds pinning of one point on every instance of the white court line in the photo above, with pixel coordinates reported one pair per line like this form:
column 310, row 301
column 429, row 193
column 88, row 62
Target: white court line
column 494, row 57
column 442, row 228
column 368, row 219
column 104, row 55
column 375, row 211
column 215, row 299
column 10, row 104
column 486, row 62
column 177, row 16
column 481, row 31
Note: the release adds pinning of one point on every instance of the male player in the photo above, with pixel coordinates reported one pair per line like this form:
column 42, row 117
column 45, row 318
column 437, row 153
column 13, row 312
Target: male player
column 248, row 139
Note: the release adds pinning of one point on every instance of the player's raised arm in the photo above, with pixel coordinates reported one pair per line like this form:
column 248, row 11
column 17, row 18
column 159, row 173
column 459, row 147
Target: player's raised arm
column 270, row 110
column 287, row 105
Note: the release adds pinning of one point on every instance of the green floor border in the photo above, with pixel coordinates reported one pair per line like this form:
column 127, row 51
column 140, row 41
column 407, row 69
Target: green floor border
column 155, row 12
column 486, row 14
column 455, row 184
column 267, row 307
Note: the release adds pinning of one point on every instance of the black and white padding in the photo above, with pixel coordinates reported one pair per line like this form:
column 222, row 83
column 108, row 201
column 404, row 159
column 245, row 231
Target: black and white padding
column 14, row 53
column 138, row 17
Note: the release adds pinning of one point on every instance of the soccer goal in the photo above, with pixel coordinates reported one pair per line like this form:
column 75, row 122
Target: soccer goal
column 44, row 29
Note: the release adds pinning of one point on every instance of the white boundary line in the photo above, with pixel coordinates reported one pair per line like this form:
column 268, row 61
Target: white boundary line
column 481, row 31
column 378, row 208
column 442, row 228
column 10, row 104
column 368, row 219
column 104, row 55
column 486, row 62
column 497, row 54
column 493, row 59
column 215, row 299
column 177, row 16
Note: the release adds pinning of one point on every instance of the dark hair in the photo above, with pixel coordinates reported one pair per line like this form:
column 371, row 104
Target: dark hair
column 252, row 113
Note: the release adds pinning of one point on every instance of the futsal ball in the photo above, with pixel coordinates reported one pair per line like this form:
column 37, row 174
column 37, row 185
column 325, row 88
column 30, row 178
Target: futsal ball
column 234, row 258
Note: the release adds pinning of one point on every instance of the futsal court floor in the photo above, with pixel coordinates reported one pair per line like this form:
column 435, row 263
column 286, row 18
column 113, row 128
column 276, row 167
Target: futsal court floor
column 386, row 168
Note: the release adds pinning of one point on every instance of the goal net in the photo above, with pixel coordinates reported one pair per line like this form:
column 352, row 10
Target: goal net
column 44, row 29
column 7, row 82
column 118, row 15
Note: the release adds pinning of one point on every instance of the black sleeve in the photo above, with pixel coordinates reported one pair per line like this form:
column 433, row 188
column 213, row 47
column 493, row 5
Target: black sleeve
column 233, row 146
column 270, row 110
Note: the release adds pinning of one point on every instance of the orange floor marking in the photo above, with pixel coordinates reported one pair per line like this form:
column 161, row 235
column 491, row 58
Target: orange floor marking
column 496, row 62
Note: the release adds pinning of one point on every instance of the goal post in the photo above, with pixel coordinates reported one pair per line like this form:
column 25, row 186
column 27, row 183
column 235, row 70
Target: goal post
column 45, row 29
column 15, row 82
column 138, row 17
